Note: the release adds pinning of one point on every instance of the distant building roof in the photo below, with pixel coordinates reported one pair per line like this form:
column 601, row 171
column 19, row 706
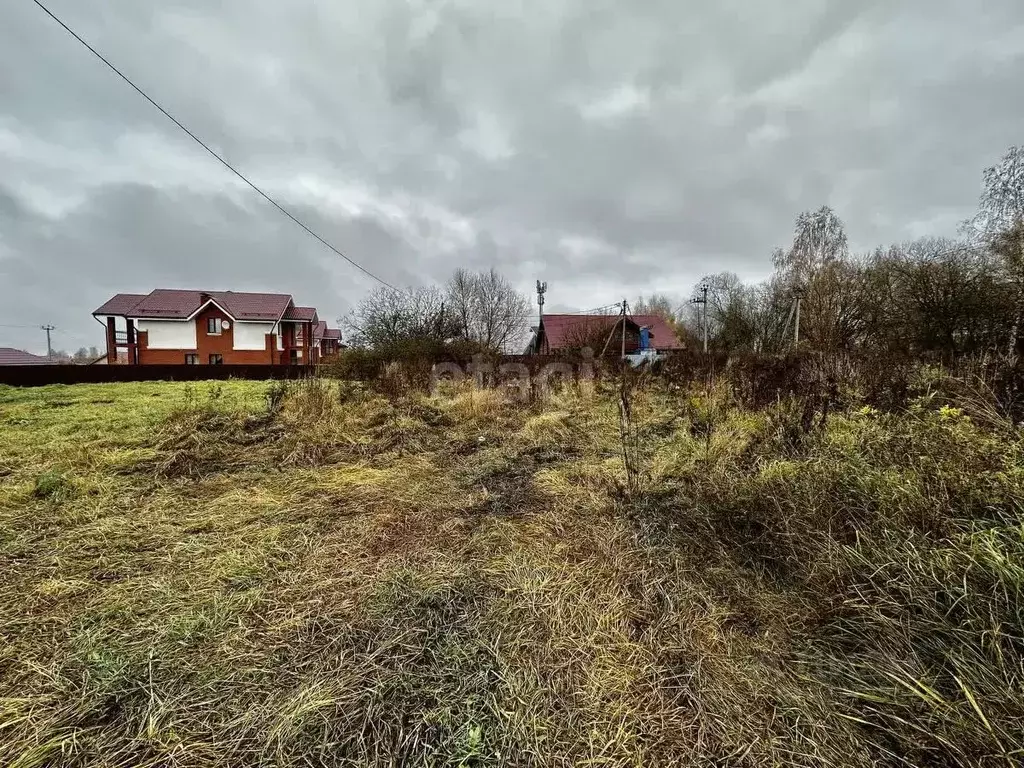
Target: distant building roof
column 301, row 314
column 180, row 305
column 9, row 356
column 322, row 332
column 567, row 331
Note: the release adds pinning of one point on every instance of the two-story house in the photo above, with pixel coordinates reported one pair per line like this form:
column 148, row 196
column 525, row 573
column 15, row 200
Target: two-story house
column 172, row 327
column 327, row 340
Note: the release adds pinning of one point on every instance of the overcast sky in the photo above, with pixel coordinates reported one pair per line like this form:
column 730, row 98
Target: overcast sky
column 607, row 147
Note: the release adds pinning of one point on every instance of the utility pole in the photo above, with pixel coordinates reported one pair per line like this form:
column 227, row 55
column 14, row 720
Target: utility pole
column 49, row 346
column 703, row 300
column 624, row 310
column 796, row 332
column 615, row 325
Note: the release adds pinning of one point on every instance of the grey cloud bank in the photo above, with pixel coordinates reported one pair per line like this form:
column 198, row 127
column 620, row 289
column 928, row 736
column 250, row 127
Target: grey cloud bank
column 607, row 148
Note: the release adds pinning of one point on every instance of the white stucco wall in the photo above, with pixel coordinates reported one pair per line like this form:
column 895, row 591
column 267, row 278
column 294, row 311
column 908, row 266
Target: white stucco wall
column 169, row 334
column 251, row 335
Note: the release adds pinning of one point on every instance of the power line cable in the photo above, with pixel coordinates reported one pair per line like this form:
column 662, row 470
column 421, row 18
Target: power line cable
column 201, row 143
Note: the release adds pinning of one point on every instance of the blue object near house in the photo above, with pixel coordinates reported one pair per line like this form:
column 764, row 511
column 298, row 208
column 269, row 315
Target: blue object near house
column 645, row 338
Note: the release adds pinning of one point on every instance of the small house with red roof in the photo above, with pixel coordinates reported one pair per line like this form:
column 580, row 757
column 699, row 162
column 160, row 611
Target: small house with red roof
column 9, row 356
column 175, row 327
column 326, row 340
column 602, row 334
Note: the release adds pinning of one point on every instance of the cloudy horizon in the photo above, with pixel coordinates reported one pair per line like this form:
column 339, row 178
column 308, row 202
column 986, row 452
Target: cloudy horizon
column 609, row 149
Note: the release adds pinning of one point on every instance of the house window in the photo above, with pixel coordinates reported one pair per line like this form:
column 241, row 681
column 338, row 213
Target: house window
column 293, row 356
column 213, row 326
column 216, row 359
column 191, row 359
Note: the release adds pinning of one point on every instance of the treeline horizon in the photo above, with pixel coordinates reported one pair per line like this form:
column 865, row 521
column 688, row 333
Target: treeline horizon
column 931, row 297
column 934, row 297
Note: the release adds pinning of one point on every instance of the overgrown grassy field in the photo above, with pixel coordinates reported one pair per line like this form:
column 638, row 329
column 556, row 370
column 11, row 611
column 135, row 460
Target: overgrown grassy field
column 237, row 575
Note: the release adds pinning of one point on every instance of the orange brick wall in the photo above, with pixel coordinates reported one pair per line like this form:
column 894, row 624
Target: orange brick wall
column 160, row 356
column 210, row 344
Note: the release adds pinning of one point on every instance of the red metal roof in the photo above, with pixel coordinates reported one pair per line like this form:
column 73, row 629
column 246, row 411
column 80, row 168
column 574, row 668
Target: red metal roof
column 333, row 333
column 253, row 306
column 320, row 330
column 9, row 356
column 662, row 335
column 121, row 304
column 180, row 305
column 566, row 331
column 301, row 314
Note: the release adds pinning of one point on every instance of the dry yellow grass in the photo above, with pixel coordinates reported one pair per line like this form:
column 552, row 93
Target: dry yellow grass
column 245, row 574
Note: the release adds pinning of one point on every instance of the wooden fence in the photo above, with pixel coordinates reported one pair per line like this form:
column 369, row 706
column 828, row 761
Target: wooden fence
column 42, row 375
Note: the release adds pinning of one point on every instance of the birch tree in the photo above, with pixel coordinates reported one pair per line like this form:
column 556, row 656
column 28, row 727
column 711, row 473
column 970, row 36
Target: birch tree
column 999, row 225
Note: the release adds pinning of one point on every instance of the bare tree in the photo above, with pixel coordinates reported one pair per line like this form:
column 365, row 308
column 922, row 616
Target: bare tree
column 461, row 297
column 387, row 317
column 836, row 302
column 480, row 307
column 656, row 304
column 933, row 296
column 488, row 309
column 600, row 333
column 736, row 313
column 724, row 313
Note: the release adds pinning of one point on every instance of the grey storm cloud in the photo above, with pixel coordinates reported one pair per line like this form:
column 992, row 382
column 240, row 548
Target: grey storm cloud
column 609, row 148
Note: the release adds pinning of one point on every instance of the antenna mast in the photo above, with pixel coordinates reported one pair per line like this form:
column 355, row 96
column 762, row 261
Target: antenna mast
column 542, row 288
